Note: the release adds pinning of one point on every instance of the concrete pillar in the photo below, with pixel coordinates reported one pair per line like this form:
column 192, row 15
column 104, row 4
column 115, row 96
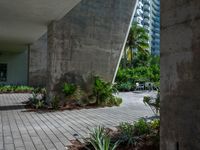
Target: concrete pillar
column 180, row 75
column 38, row 62
column 88, row 41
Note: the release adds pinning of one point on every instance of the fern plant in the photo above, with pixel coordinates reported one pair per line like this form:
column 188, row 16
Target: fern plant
column 103, row 90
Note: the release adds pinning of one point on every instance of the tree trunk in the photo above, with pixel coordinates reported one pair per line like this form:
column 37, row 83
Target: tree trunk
column 131, row 58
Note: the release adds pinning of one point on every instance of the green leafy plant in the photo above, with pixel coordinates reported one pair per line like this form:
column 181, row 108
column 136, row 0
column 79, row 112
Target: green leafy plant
column 127, row 86
column 155, row 132
column 33, row 100
column 144, row 68
column 39, row 104
column 100, row 140
column 68, row 89
column 141, row 127
column 78, row 94
column 38, row 98
column 127, row 134
column 113, row 100
column 155, row 124
column 103, row 91
column 36, row 101
column 15, row 89
column 85, row 101
column 118, row 101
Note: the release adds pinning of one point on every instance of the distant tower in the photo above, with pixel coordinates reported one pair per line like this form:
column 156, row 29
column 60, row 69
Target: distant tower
column 147, row 15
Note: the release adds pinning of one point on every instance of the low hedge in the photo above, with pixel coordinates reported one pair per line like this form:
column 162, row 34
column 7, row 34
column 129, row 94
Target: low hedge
column 15, row 89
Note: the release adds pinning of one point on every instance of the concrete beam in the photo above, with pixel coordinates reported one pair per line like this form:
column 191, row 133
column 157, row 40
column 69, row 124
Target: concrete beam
column 23, row 22
column 88, row 41
column 180, row 75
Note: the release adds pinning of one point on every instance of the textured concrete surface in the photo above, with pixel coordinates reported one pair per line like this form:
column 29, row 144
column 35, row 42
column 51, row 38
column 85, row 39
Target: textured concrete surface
column 38, row 62
column 22, row 130
column 88, row 41
column 24, row 22
column 180, row 75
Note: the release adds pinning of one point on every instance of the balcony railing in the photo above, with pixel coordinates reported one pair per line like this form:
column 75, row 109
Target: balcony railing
column 146, row 8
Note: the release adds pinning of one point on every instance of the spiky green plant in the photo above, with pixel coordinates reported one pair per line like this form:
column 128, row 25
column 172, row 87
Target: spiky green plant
column 100, row 140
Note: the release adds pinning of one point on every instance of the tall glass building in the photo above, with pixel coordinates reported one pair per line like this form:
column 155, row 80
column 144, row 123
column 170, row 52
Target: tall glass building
column 148, row 16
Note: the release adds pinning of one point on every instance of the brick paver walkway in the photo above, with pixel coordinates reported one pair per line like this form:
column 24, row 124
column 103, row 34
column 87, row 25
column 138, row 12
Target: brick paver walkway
column 22, row 130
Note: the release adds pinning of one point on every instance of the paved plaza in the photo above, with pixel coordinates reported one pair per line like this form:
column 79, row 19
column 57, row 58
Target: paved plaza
column 22, row 130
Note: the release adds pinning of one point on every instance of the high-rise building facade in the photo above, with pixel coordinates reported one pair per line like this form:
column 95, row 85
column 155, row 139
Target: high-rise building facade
column 147, row 15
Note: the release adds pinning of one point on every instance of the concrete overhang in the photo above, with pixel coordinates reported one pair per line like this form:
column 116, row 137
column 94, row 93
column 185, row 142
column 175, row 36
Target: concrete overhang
column 24, row 21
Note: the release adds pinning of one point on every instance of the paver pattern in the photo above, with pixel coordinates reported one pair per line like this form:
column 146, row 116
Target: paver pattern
column 22, row 130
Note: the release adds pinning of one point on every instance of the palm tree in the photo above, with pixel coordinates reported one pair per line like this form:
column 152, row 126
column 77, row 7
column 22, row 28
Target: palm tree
column 137, row 40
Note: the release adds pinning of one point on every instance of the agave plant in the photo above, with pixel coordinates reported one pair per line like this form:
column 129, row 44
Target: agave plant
column 100, row 140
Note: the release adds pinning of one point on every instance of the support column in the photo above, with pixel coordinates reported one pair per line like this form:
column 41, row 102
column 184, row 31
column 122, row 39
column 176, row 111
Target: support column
column 180, row 75
column 38, row 62
column 88, row 41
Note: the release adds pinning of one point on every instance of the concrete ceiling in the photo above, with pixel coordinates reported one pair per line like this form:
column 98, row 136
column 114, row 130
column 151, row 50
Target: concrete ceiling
column 24, row 21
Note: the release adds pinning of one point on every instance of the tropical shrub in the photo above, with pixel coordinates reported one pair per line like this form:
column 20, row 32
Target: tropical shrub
column 127, row 134
column 68, row 89
column 141, row 127
column 118, row 101
column 103, row 91
column 126, row 78
column 144, row 67
column 125, row 86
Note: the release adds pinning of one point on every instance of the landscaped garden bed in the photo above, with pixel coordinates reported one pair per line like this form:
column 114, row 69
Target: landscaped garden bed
column 141, row 135
column 73, row 97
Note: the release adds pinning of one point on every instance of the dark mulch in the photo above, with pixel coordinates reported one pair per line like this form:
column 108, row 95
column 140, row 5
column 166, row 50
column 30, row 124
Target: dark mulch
column 146, row 145
column 70, row 106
